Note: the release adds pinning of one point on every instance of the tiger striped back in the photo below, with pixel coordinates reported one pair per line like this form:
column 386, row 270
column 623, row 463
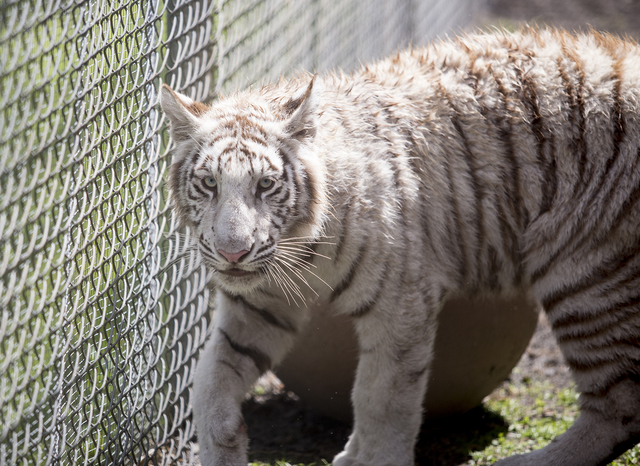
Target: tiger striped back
column 489, row 164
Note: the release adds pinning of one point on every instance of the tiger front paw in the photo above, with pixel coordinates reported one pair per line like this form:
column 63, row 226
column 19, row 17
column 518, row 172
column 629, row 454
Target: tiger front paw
column 343, row 459
column 223, row 440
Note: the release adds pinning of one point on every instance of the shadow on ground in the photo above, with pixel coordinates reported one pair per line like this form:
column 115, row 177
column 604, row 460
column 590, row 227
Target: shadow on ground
column 282, row 428
column 449, row 441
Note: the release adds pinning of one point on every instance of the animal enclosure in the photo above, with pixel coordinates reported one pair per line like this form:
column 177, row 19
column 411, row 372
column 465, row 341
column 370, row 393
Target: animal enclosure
column 103, row 302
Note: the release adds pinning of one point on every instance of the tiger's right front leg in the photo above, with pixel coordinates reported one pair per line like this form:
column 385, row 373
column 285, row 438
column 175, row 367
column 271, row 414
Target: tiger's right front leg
column 396, row 350
column 246, row 341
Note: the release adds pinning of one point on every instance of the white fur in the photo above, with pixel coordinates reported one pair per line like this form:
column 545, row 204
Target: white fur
column 484, row 165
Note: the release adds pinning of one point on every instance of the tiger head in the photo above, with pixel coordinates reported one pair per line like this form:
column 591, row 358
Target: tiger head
column 245, row 177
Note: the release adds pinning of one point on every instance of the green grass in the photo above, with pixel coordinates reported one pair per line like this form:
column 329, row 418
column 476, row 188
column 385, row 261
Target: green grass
column 536, row 413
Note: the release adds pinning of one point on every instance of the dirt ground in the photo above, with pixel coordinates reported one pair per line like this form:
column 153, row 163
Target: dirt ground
column 282, row 428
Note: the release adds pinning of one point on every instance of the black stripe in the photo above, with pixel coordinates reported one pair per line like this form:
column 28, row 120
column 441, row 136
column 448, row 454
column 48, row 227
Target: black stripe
column 259, row 358
column 284, row 156
column 279, row 214
column 475, row 185
column 598, row 275
column 206, row 255
column 343, row 229
column 510, row 244
column 311, row 195
column 365, row 308
column 540, row 131
column 296, row 187
column 583, row 362
column 619, row 130
column 415, row 376
column 276, row 191
column 285, row 197
column 551, row 177
column 602, row 210
column 204, row 246
column 414, row 159
column 517, row 203
column 582, row 143
column 193, row 198
column 619, row 122
column 602, row 389
column 509, row 236
column 600, row 321
column 612, row 309
column 625, row 282
column 231, row 366
column 199, row 190
column 463, row 266
column 265, row 247
column 285, row 174
column 505, row 131
column 259, row 257
column 579, row 238
column 346, row 282
column 628, row 206
column 264, row 314
column 576, row 116
column 620, row 353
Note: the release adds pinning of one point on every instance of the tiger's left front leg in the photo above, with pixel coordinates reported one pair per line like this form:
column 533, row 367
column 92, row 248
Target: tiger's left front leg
column 391, row 381
column 246, row 341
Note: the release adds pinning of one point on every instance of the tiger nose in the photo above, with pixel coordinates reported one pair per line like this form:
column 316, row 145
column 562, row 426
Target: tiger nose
column 233, row 257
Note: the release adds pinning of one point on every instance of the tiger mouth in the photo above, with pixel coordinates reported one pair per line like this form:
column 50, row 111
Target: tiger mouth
column 236, row 272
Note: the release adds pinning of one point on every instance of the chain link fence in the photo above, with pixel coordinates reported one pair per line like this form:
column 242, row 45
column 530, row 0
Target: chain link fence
column 103, row 300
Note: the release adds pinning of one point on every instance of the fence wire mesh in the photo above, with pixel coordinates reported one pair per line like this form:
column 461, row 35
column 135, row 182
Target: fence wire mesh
column 103, row 302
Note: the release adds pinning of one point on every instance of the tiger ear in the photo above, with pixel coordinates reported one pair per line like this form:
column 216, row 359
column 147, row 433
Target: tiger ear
column 303, row 113
column 182, row 111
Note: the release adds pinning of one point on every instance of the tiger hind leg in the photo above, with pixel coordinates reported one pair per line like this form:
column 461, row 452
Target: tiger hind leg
column 599, row 340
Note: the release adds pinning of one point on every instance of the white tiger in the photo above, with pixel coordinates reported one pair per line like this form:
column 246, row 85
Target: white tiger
column 483, row 165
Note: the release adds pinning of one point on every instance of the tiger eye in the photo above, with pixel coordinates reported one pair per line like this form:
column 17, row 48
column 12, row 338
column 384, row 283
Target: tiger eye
column 265, row 183
column 210, row 182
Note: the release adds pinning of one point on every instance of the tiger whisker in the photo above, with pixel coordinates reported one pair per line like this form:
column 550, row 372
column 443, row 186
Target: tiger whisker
column 294, row 286
column 306, row 268
column 312, row 238
column 290, row 285
column 306, row 243
column 303, row 252
column 297, row 259
column 297, row 273
column 278, row 280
